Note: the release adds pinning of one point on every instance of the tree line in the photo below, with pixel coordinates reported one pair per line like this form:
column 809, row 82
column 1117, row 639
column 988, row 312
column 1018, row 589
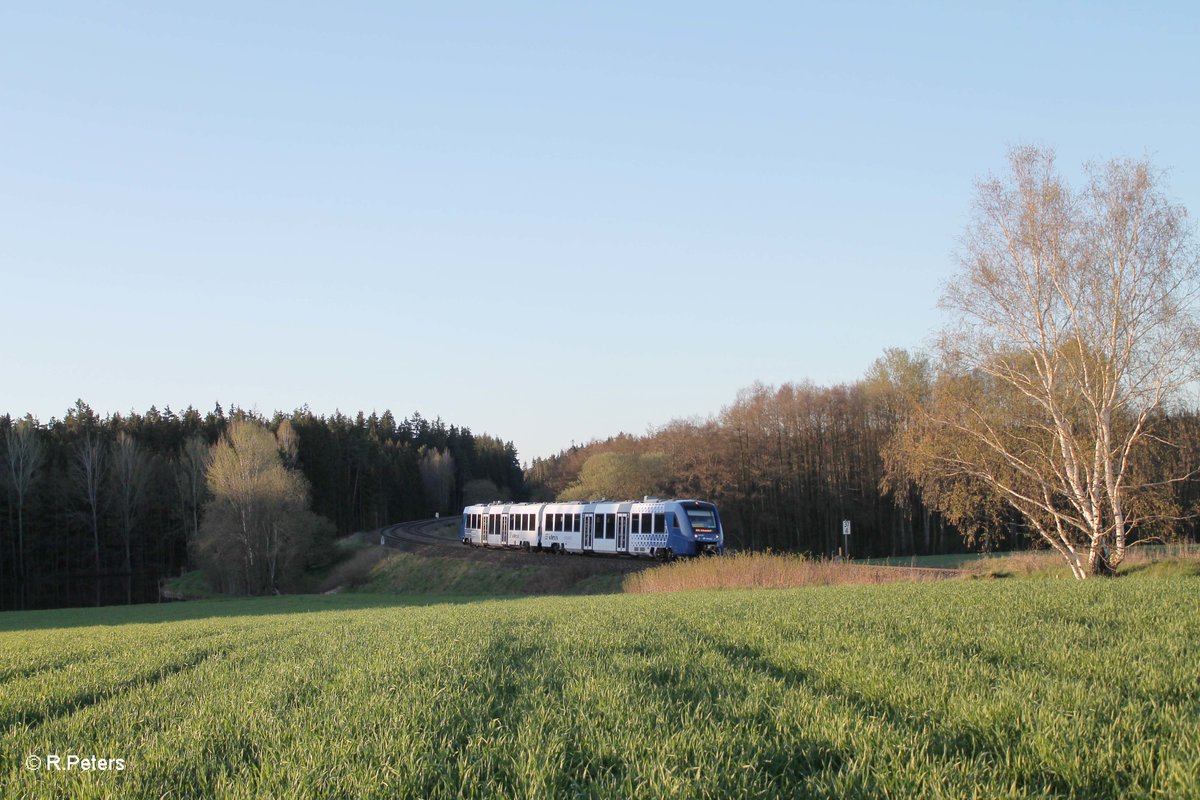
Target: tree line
column 787, row 464
column 97, row 510
column 1056, row 408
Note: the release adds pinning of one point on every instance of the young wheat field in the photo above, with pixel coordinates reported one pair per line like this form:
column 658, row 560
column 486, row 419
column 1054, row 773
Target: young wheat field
column 961, row 688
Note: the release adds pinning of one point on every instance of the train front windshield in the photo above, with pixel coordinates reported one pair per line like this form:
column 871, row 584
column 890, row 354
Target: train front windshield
column 702, row 519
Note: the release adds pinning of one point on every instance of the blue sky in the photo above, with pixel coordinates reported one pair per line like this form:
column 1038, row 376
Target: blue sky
column 551, row 222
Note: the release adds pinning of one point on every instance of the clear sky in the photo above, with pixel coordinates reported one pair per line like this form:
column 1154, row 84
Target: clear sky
column 549, row 222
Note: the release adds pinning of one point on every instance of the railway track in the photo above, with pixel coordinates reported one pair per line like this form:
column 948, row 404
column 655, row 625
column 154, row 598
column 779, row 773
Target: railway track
column 419, row 531
column 432, row 532
column 406, row 535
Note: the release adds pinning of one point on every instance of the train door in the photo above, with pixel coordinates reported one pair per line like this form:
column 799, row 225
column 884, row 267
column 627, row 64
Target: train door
column 504, row 529
column 589, row 528
column 622, row 533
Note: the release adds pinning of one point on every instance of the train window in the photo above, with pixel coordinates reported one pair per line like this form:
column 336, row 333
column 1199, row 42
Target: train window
column 599, row 526
column 558, row 522
column 674, row 522
column 660, row 523
column 634, row 519
column 610, row 526
column 527, row 521
column 575, row 518
column 646, row 523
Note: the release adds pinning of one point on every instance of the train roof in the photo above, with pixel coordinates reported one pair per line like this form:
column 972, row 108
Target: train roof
column 587, row 502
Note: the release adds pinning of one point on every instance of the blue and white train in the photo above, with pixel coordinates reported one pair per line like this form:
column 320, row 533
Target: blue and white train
column 654, row 528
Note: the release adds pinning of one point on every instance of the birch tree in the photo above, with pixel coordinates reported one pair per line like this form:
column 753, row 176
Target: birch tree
column 1074, row 327
column 130, row 475
column 190, row 478
column 87, row 473
column 24, row 453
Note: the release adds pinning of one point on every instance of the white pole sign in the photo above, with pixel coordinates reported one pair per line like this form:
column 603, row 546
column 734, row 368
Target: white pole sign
column 845, row 527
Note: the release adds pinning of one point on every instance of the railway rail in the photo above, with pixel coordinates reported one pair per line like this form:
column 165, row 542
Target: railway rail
column 418, row 532
column 421, row 532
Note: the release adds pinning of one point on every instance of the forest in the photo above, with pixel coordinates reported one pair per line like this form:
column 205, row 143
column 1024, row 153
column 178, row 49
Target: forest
column 114, row 505
column 787, row 464
column 97, row 510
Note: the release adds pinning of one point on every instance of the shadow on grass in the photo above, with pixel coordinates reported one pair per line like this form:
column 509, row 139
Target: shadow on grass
column 154, row 613
column 955, row 741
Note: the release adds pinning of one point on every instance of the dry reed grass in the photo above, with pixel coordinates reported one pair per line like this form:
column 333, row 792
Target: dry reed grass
column 769, row 571
column 1049, row 563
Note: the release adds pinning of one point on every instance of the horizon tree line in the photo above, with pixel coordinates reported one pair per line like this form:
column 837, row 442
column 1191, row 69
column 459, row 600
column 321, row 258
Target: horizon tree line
column 98, row 510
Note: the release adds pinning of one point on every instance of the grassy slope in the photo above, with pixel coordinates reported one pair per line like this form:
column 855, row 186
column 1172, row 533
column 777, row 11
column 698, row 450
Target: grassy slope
column 1005, row 688
column 411, row 574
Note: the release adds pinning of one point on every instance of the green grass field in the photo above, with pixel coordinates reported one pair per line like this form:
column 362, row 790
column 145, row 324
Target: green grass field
column 963, row 688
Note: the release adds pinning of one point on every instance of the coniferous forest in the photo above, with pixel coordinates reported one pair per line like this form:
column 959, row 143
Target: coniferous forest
column 97, row 510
